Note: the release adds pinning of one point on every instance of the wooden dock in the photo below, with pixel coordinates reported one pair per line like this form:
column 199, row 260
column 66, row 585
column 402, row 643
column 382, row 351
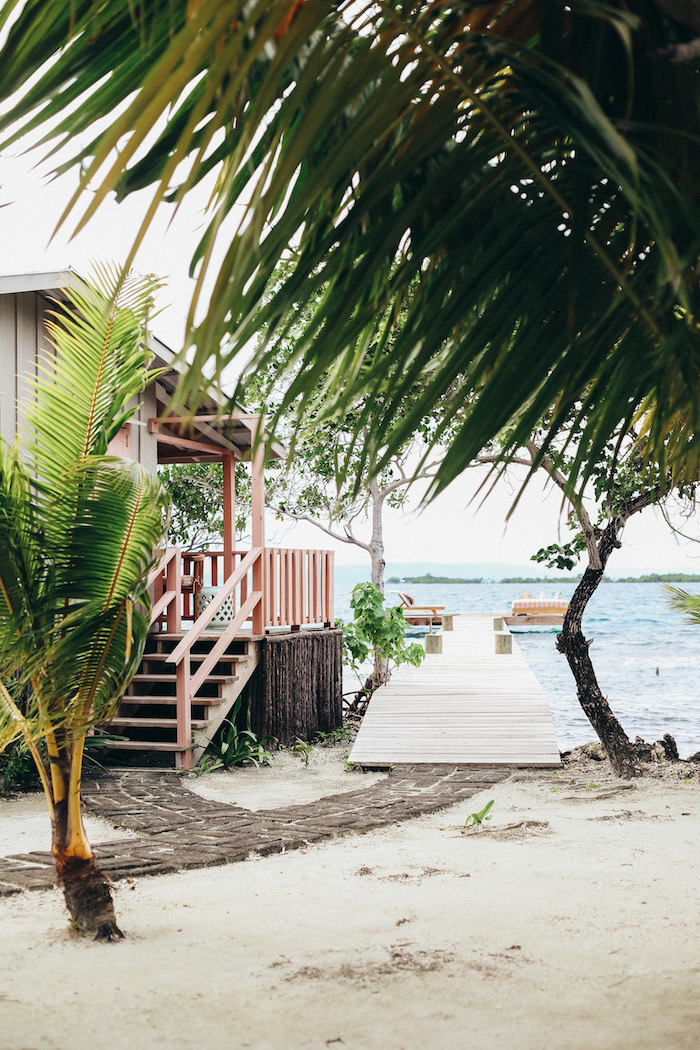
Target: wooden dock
column 466, row 706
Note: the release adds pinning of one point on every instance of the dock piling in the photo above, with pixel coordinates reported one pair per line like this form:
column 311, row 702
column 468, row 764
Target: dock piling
column 504, row 642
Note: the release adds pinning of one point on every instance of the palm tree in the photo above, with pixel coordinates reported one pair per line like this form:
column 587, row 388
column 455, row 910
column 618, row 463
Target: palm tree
column 78, row 529
column 519, row 178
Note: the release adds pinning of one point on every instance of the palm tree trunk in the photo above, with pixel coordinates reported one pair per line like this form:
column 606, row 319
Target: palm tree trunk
column 86, row 889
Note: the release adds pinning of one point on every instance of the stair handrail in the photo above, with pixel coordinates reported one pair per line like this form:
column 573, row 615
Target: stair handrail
column 186, row 686
column 169, row 565
column 208, row 614
column 157, row 569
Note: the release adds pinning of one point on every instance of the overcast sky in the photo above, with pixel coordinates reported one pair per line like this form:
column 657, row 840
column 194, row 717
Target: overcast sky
column 455, row 528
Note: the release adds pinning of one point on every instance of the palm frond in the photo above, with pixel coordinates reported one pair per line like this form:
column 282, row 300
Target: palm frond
column 516, row 180
column 681, row 601
column 97, row 365
column 78, row 529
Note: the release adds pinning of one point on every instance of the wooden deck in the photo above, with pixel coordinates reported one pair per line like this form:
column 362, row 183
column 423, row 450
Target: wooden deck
column 465, row 705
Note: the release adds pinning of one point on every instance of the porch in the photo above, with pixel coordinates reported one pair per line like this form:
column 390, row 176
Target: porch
column 207, row 636
column 213, row 609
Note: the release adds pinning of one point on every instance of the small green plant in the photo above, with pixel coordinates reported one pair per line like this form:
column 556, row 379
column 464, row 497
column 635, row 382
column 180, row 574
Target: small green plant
column 474, row 818
column 555, row 790
column 377, row 633
column 333, row 736
column 18, row 769
column 555, row 774
column 591, row 784
column 303, row 749
column 234, row 746
column 207, row 765
column 95, row 744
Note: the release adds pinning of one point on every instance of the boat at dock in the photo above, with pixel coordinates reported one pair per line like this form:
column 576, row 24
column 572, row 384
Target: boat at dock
column 545, row 611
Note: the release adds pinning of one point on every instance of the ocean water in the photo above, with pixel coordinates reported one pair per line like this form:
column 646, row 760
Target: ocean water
column 634, row 634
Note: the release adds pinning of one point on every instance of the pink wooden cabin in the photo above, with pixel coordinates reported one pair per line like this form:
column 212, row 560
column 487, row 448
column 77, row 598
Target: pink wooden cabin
column 205, row 646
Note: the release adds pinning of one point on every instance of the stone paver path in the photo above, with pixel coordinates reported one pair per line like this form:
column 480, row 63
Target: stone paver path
column 178, row 830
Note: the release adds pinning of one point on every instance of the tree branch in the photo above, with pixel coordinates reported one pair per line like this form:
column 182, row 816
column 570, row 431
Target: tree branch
column 348, row 537
column 589, row 535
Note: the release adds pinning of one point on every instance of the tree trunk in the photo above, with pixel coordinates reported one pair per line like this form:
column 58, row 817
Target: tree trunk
column 86, row 889
column 376, row 543
column 574, row 646
column 600, row 545
column 380, row 672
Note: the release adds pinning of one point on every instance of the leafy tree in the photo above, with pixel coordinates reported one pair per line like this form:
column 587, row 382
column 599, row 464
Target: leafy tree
column 621, row 487
column 78, row 529
column 326, row 480
column 196, row 492
column 379, row 632
column 532, row 166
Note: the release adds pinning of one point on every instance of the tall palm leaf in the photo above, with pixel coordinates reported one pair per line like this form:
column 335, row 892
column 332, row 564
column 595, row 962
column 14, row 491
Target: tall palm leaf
column 78, row 530
column 517, row 178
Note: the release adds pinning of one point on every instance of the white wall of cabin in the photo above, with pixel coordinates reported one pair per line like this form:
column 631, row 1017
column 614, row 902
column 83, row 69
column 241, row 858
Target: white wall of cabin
column 23, row 340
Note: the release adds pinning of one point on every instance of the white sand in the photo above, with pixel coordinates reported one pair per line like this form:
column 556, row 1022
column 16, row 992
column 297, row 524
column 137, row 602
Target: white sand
column 25, row 826
column 575, row 935
column 286, row 782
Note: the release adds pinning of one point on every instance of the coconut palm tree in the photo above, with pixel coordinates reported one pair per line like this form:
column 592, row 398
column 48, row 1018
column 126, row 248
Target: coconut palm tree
column 78, row 530
column 518, row 177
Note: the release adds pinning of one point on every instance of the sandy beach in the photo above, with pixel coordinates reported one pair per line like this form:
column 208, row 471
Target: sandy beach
column 570, row 921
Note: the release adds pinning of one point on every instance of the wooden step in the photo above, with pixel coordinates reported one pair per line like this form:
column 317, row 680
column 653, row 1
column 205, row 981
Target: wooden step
column 141, row 745
column 207, row 636
column 215, row 679
column 156, row 701
column 197, row 658
column 154, row 723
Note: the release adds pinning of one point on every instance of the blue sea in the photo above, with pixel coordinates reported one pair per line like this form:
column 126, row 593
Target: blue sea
column 634, row 635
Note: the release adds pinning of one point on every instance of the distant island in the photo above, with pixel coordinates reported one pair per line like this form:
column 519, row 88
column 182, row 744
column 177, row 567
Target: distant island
column 429, row 578
column 545, row 579
column 653, row 577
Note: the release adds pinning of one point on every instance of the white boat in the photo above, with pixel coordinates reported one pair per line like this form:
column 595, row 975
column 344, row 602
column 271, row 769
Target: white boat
column 543, row 611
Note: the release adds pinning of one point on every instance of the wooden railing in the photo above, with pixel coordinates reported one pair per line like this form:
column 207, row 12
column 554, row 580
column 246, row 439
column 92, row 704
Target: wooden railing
column 297, row 584
column 298, row 587
column 166, row 580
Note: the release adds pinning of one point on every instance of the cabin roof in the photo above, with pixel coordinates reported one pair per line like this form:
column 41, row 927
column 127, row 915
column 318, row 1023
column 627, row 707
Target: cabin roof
column 214, row 429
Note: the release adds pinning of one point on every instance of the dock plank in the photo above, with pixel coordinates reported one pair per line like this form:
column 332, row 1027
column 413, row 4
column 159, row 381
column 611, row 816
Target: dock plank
column 465, row 706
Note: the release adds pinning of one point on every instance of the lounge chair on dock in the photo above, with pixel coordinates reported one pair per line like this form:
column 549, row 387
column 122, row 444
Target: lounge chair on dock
column 420, row 615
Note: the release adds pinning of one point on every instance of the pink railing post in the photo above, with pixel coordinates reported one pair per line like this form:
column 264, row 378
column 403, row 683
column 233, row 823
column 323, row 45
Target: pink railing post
column 229, row 499
column 330, row 557
column 258, row 527
column 173, row 582
column 184, row 712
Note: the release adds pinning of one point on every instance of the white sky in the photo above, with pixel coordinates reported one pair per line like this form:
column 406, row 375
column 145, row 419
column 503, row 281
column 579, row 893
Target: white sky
column 453, row 529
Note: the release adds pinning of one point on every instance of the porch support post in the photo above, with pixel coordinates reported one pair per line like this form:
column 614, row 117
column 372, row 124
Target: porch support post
column 229, row 472
column 258, row 528
column 173, row 577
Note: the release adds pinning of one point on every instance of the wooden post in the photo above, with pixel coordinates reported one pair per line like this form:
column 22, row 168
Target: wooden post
column 229, row 471
column 504, row 642
column 433, row 643
column 184, row 713
column 498, row 623
column 447, row 624
column 330, row 594
column 297, row 593
column 258, row 527
column 173, row 582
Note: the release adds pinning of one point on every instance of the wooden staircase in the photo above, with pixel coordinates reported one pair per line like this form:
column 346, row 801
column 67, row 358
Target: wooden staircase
column 147, row 716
